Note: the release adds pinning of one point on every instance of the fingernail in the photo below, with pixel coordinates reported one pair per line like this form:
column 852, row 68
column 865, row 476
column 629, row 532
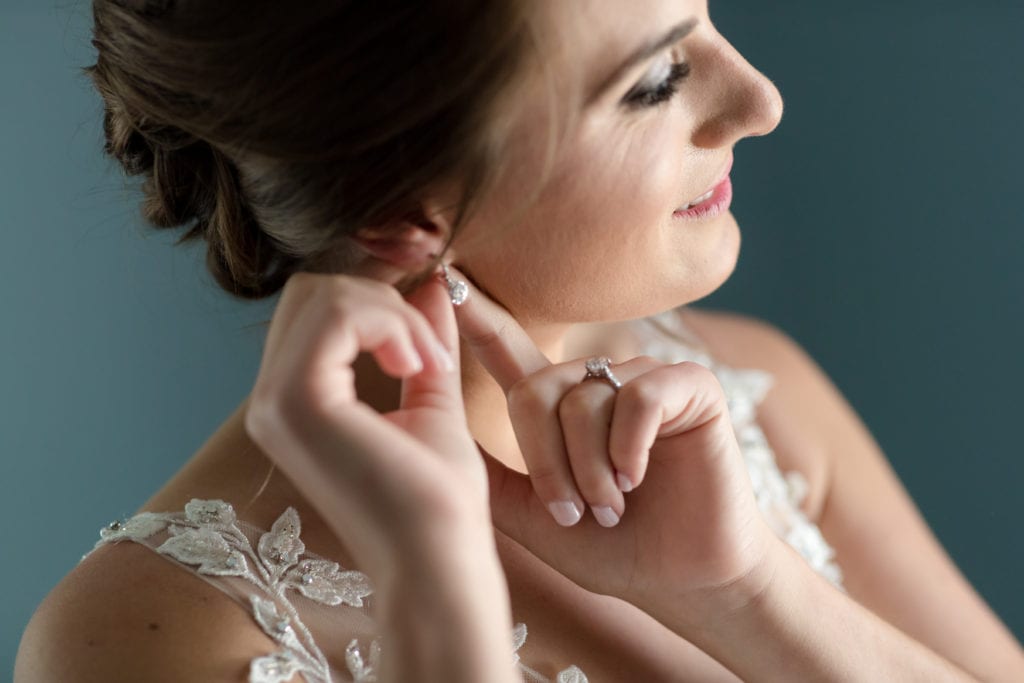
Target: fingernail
column 604, row 515
column 443, row 356
column 565, row 512
column 625, row 485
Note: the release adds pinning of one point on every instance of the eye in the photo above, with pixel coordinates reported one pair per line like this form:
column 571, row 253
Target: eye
column 644, row 95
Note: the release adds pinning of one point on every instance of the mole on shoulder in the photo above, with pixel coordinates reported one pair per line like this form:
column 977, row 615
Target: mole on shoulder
column 153, row 626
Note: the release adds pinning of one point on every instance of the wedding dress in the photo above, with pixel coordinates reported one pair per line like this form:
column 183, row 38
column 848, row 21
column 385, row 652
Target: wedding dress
column 300, row 599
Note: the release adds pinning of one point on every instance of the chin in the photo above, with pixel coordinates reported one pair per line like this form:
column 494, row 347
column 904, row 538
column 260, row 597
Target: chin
column 722, row 262
column 715, row 269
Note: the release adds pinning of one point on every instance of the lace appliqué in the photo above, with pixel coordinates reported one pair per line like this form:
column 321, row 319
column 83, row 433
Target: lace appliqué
column 573, row 674
column 208, row 538
column 778, row 496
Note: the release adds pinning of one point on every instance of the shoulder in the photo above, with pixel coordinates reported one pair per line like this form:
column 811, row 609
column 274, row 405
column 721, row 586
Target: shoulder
column 745, row 341
column 738, row 339
column 126, row 614
column 803, row 411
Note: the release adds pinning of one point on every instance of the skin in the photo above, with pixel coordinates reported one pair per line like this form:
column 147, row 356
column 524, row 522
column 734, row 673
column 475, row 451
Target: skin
column 600, row 245
column 602, row 234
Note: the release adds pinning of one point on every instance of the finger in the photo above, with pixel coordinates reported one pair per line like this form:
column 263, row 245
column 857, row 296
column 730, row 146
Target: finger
column 667, row 396
column 381, row 332
column 515, row 509
column 533, row 410
column 439, row 385
column 496, row 339
column 585, row 414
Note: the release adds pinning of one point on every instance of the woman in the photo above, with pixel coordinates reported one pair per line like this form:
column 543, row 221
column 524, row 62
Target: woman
column 634, row 529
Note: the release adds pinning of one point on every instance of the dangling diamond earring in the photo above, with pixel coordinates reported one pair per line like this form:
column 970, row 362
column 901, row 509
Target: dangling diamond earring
column 458, row 291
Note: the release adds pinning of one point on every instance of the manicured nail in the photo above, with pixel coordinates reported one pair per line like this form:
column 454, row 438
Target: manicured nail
column 565, row 512
column 625, row 485
column 604, row 515
column 442, row 355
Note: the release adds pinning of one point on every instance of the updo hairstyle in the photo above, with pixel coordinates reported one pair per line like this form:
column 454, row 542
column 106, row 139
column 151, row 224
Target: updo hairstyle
column 274, row 130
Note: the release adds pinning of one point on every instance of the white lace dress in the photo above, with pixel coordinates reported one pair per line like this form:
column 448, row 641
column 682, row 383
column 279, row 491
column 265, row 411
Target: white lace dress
column 300, row 599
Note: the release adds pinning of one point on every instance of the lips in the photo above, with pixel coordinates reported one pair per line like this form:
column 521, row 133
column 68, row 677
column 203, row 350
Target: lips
column 707, row 194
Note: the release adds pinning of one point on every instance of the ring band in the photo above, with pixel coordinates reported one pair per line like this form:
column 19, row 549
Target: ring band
column 599, row 367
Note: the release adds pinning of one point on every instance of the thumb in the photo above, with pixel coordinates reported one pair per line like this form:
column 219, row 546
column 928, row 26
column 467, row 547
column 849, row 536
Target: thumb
column 515, row 509
column 439, row 385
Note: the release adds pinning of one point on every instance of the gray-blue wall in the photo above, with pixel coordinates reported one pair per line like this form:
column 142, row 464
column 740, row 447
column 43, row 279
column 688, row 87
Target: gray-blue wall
column 882, row 228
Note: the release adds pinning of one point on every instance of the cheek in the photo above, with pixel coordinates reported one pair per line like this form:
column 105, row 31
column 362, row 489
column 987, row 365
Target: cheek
column 594, row 239
column 630, row 181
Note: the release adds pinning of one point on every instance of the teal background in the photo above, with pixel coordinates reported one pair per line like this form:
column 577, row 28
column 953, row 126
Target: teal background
column 882, row 229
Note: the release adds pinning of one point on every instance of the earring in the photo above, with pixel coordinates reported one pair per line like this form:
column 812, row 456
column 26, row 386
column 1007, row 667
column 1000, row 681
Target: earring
column 458, row 291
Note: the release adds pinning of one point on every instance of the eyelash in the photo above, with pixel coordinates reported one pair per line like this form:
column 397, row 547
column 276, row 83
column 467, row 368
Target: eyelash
column 663, row 92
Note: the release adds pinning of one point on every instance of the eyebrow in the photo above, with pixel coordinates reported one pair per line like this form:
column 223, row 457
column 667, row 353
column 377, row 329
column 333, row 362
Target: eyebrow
column 645, row 51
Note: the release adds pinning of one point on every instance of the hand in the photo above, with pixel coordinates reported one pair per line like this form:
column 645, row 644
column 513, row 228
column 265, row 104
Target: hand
column 391, row 486
column 405, row 491
column 691, row 536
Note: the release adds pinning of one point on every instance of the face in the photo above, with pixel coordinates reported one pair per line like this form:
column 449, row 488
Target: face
column 603, row 239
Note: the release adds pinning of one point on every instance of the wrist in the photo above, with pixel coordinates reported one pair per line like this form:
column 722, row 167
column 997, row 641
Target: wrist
column 697, row 613
column 447, row 616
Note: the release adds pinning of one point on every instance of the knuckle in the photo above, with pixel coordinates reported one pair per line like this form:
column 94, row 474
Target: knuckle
column 388, row 293
column 695, row 369
column 550, row 482
column 574, row 406
column 486, row 337
column 643, row 395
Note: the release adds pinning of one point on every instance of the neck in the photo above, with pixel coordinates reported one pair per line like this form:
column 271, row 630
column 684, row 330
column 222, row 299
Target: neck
column 486, row 410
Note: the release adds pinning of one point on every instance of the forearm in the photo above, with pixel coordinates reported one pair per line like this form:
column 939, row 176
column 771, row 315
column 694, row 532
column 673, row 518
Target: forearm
column 448, row 619
column 802, row 628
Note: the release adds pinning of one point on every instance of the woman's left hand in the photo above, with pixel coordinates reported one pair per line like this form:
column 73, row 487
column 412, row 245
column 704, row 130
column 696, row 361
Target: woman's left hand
column 690, row 536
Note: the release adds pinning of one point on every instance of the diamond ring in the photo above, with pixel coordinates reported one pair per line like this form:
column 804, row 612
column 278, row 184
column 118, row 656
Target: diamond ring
column 600, row 367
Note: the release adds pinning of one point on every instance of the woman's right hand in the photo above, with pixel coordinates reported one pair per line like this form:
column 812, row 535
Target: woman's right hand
column 389, row 485
column 406, row 491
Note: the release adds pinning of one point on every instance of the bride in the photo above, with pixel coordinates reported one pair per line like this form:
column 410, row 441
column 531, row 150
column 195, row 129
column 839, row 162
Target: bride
column 598, row 482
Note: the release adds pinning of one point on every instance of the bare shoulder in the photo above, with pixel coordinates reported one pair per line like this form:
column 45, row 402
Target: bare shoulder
column 892, row 562
column 126, row 614
column 802, row 410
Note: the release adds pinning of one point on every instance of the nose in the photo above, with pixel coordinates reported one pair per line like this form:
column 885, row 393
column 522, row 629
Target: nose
column 741, row 101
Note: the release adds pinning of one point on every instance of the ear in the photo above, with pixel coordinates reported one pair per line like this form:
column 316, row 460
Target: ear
column 408, row 243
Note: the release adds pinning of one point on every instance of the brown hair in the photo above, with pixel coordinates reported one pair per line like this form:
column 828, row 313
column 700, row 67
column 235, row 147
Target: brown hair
column 275, row 130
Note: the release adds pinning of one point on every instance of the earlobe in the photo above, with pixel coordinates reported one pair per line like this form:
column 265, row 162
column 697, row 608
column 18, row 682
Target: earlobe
column 406, row 244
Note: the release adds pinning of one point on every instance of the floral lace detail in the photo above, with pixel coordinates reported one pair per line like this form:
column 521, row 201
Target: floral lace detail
column 573, row 674
column 778, row 496
column 207, row 537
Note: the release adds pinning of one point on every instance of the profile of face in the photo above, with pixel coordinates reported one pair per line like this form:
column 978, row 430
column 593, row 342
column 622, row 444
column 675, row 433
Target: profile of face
column 661, row 99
